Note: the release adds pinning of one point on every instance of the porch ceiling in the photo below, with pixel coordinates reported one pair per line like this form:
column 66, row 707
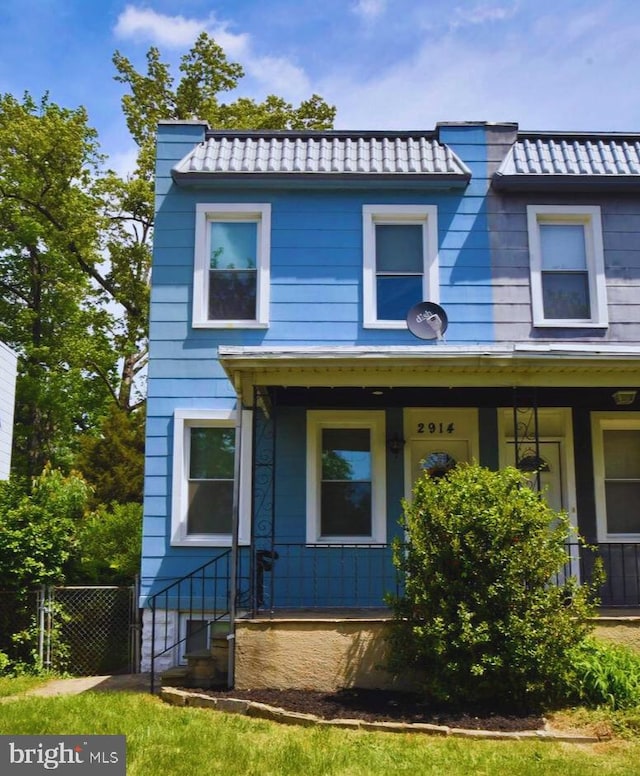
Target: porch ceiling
column 516, row 365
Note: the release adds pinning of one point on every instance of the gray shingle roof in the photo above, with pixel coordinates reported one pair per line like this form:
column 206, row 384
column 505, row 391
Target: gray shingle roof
column 320, row 154
column 592, row 161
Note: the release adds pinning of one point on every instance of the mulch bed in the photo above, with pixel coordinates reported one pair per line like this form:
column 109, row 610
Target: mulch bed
column 382, row 705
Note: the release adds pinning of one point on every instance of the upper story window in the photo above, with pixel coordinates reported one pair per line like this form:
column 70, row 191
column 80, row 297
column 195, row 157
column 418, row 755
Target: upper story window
column 616, row 452
column 345, row 477
column 400, row 263
column 204, row 454
column 567, row 266
column 231, row 267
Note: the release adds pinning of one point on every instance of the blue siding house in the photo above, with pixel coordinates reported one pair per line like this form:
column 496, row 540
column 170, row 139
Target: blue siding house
column 290, row 405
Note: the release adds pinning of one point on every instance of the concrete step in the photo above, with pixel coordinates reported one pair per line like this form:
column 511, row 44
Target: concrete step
column 175, row 677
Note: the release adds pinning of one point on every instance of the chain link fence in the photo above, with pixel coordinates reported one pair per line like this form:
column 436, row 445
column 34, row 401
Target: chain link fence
column 80, row 630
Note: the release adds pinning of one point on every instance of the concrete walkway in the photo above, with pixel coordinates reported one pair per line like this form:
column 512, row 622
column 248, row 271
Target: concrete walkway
column 79, row 684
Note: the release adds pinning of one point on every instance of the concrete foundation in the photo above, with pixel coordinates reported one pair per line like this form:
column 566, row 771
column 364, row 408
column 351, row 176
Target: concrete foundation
column 319, row 654
column 623, row 629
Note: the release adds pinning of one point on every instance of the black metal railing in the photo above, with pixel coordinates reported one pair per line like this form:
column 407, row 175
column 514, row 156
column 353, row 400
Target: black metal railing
column 202, row 598
column 320, row 576
column 359, row 576
column 621, row 562
column 621, row 565
column 298, row 576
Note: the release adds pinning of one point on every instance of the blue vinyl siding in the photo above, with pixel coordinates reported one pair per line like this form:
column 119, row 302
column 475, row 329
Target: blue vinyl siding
column 316, row 267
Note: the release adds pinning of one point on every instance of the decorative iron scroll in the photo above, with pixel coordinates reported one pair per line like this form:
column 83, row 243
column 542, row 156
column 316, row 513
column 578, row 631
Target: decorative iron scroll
column 263, row 556
column 526, row 436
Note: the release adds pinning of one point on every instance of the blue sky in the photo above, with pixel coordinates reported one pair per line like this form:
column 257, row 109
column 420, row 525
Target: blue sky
column 385, row 64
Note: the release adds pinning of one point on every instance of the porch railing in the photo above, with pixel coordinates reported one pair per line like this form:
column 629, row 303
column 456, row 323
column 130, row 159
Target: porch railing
column 300, row 576
column 320, row 576
column 621, row 561
column 358, row 576
column 201, row 598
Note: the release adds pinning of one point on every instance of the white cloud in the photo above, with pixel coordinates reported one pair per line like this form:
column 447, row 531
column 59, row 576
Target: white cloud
column 176, row 31
column 483, row 13
column 275, row 74
column 369, row 9
column 279, row 75
column 534, row 76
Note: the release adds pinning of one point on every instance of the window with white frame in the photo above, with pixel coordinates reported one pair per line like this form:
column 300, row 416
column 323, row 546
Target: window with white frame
column 616, row 450
column 204, row 453
column 568, row 285
column 400, row 262
column 345, row 477
column 231, row 265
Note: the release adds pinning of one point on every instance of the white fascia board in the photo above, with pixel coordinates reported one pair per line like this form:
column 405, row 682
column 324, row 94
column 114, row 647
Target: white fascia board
column 262, row 354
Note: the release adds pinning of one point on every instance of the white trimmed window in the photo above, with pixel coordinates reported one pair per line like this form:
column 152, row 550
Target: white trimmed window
column 568, row 285
column 204, row 452
column 346, row 492
column 616, row 451
column 231, row 265
column 400, row 262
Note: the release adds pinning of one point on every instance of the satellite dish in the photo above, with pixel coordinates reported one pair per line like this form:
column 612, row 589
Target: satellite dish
column 427, row 320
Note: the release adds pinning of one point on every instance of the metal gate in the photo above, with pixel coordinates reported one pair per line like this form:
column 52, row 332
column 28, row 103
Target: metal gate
column 89, row 631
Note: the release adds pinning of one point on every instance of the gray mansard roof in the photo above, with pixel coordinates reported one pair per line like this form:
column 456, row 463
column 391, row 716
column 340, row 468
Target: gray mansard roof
column 321, row 155
column 581, row 162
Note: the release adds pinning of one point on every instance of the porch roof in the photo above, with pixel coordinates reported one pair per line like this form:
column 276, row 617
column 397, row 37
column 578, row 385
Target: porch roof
column 519, row 364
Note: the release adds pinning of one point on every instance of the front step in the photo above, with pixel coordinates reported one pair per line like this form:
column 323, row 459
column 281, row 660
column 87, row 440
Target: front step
column 205, row 668
column 178, row 676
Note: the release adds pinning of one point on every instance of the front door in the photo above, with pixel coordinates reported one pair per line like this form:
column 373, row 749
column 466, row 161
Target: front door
column 555, row 448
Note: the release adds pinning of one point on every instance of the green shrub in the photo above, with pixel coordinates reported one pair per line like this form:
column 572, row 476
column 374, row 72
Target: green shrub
column 605, row 674
column 479, row 619
column 5, row 663
column 37, row 536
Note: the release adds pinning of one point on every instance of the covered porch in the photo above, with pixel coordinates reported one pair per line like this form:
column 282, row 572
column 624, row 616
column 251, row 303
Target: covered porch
column 499, row 405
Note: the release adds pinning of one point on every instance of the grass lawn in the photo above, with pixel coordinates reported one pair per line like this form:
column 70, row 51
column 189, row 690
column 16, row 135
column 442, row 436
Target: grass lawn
column 16, row 685
column 165, row 740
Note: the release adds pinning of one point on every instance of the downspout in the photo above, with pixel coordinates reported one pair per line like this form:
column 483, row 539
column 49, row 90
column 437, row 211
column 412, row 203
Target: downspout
column 235, row 536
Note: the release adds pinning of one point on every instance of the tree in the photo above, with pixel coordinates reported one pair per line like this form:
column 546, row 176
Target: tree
column 112, row 459
column 480, row 619
column 50, row 312
column 109, row 543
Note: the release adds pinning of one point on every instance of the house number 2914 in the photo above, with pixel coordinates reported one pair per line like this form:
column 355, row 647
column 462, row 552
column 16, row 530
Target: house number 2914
column 436, row 428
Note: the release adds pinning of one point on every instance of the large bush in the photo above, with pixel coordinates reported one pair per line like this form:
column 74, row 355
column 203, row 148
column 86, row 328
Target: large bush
column 482, row 617
column 37, row 529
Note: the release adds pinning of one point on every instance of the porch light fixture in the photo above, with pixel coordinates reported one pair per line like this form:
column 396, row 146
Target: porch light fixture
column 395, row 444
column 624, row 398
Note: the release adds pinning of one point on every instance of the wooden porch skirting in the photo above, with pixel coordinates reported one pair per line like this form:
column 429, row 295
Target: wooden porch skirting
column 318, row 651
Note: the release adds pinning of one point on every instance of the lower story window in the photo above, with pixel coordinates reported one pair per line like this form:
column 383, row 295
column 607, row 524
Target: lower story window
column 211, row 463
column 204, row 454
column 617, row 470
column 345, row 477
